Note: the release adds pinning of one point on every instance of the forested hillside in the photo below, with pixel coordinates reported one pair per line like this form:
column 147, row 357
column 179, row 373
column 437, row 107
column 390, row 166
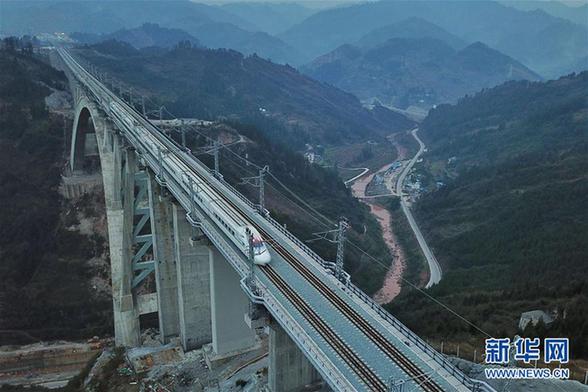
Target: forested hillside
column 213, row 26
column 413, row 27
column 319, row 187
column 209, row 84
column 146, row 35
column 421, row 71
column 44, row 290
column 510, row 228
column 547, row 44
column 270, row 17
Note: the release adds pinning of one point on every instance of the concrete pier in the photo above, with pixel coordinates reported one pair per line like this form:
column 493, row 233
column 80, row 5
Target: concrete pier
column 119, row 217
column 229, row 304
column 165, row 263
column 289, row 370
column 193, row 282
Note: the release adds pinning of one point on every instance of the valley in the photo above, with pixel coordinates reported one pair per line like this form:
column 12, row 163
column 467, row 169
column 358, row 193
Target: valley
column 298, row 196
column 501, row 192
column 392, row 284
column 418, row 72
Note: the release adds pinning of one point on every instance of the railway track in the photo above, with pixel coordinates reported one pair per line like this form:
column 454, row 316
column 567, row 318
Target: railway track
column 350, row 357
column 392, row 352
column 388, row 348
column 367, row 375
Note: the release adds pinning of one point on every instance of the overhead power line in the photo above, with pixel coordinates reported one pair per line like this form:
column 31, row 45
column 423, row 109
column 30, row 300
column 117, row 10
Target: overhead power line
column 308, row 209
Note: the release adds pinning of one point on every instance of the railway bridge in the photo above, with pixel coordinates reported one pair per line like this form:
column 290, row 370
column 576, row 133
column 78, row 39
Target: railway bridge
column 206, row 290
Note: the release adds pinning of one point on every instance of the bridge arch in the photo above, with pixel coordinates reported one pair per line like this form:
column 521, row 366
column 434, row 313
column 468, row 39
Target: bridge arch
column 84, row 155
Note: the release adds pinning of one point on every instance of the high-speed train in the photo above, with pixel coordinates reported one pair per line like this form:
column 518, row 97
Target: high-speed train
column 224, row 215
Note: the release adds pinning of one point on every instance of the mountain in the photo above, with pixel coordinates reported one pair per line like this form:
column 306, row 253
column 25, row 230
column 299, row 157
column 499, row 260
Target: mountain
column 226, row 35
column 510, row 228
column 523, row 35
column 213, row 26
column 415, row 71
column 271, row 18
column 148, row 34
column 212, row 35
column 49, row 268
column 570, row 39
column 210, row 84
column 410, row 28
column 93, row 16
column 577, row 14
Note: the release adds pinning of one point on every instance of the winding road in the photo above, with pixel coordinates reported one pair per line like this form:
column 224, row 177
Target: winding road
column 364, row 170
column 434, row 267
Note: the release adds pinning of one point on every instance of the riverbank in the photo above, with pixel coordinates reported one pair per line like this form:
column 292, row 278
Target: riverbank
column 393, row 279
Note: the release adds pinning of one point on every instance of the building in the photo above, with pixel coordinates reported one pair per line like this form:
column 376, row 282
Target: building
column 533, row 317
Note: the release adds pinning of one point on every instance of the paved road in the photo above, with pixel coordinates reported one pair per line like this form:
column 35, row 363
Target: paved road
column 364, row 171
column 434, row 267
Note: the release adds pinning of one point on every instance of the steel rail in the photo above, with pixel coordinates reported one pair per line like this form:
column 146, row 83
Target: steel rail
column 349, row 356
column 203, row 173
column 388, row 348
column 366, row 375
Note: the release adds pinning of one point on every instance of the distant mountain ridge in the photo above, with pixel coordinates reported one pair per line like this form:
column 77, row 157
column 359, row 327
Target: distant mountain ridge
column 214, row 27
column 149, row 34
column 510, row 226
column 576, row 14
column 412, row 27
column 211, row 84
column 547, row 44
column 269, row 17
column 226, row 35
column 94, row 16
column 416, row 71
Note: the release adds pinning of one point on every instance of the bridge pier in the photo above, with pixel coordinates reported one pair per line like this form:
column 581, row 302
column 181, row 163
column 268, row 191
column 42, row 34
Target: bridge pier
column 198, row 294
column 229, row 304
column 166, row 281
column 193, row 282
column 120, row 225
column 288, row 369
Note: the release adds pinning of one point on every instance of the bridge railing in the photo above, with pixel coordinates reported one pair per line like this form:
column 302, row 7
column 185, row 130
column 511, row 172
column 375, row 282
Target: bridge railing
column 299, row 335
column 234, row 190
column 420, row 343
column 329, row 268
column 299, row 243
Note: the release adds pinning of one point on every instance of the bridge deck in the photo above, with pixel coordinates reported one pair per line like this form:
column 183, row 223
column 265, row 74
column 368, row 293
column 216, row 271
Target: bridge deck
column 367, row 350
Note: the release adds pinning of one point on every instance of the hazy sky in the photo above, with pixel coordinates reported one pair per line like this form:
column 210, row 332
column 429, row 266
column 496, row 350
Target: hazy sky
column 307, row 3
column 326, row 3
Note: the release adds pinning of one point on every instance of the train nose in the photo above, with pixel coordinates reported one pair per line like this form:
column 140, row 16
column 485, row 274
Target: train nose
column 263, row 258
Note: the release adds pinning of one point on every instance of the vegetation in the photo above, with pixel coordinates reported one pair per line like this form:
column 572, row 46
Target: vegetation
column 319, row 187
column 415, row 260
column 372, row 155
column 149, row 34
column 421, row 71
column 43, row 290
column 211, row 25
column 511, row 231
column 223, row 84
column 547, row 44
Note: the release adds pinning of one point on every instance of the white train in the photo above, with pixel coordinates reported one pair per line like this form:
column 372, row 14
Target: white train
column 224, row 215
